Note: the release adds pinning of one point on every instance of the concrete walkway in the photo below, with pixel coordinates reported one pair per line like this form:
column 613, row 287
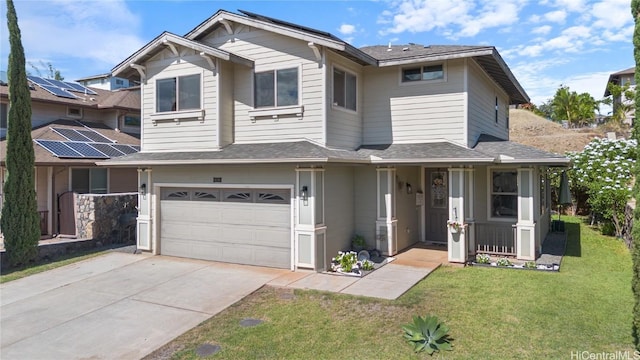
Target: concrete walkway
column 125, row 306
column 117, row 306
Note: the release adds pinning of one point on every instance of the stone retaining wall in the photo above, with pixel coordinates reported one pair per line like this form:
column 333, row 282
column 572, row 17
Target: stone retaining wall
column 98, row 217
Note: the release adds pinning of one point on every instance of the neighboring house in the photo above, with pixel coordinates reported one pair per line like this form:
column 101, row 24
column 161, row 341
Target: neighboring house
column 622, row 78
column 72, row 129
column 269, row 143
column 106, row 82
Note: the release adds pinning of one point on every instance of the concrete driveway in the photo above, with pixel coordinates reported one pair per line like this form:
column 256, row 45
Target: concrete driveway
column 117, row 306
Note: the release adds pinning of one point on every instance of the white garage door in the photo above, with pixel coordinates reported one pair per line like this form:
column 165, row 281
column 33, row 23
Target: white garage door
column 243, row 226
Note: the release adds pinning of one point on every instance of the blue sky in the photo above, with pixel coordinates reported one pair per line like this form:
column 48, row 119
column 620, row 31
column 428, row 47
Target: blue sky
column 546, row 43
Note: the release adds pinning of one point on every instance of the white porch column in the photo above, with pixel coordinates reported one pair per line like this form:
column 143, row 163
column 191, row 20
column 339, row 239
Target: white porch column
column 310, row 230
column 386, row 223
column 525, row 227
column 457, row 242
column 470, row 229
column 144, row 221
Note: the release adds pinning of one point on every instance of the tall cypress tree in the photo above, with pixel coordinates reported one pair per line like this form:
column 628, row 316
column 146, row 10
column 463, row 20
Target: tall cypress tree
column 635, row 244
column 19, row 220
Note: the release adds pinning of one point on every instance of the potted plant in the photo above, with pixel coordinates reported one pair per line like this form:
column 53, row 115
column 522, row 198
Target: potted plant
column 358, row 243
column 454, row 226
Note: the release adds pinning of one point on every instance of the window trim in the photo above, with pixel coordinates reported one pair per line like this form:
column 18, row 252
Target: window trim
column 422, row 81
column 490, row 193
column 275, row 84
column 108, row 175
column 334, row 105
column 177, row 110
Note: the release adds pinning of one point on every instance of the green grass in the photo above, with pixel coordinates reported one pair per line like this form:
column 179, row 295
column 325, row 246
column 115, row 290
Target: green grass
column 19, row 273
column 493, row 313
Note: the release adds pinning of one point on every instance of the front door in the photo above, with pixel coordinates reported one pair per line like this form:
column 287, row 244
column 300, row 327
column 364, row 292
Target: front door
column 436, row 206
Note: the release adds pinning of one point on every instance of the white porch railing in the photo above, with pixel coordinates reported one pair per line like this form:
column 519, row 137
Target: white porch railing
column 495, row 238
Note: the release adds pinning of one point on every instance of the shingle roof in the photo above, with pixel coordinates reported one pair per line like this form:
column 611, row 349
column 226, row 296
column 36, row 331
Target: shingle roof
column 126, row 99
column 301, row 151
column 435, row 152
column 45, row 132
column 395, row 52
column 487, row 151
column 513, row 153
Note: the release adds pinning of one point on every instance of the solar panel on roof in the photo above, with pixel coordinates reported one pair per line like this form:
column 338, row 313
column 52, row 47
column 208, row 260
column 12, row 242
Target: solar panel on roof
column 58, row 148
column 38, row 80
column 86, row 150
column 72, row 134
column 79, row 88
column 107, row 149
column 60, row 84
column 136, row 148
column 57, row 91
column 94, row 136
column 125, row 148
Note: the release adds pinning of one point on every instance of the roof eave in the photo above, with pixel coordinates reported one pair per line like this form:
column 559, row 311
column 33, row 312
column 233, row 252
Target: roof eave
column 436, row 57
column 540, row 161
column 434, row 161
column 116, row 163
column 259, row 24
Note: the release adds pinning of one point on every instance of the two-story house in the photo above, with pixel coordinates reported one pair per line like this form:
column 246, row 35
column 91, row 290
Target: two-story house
column 72, row 127
column 270, row 143
column 622, row 78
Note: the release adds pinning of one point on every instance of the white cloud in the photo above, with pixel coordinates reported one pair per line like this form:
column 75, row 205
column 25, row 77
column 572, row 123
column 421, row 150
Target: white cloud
column 453, row 18
column 541, row 30
column 571, row 5
column 557, row 16
column 103, row 32
column 347, row 29
column 612, row 14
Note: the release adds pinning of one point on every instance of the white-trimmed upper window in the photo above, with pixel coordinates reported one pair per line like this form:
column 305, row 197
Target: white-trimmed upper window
column 423, row 73
column 178, row 93
column 276, row 88
column 504, row 194
column 344, row 89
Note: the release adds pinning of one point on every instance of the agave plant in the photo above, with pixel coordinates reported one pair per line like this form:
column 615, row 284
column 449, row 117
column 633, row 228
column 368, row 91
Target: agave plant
column 427, row 334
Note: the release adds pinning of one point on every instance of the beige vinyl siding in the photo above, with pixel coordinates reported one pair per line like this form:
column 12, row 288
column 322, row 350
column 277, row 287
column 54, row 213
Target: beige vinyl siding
column 365, row 200
column 226, row 75
column 344, row 127
column 413, row 112
column 271, row 51
column 482, row 101
column 339, row 209
column 122, row 180
column 187, row 134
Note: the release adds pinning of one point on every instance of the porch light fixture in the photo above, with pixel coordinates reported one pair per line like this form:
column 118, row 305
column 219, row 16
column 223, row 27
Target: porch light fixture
column 304, row 193
column 143, row 189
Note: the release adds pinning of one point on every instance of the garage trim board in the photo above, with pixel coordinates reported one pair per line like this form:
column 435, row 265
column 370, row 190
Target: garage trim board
column 235, row 223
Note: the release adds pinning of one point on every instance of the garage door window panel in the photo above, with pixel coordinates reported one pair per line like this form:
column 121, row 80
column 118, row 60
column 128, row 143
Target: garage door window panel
column 238, row 196
column 206, row 195
column 272, row 197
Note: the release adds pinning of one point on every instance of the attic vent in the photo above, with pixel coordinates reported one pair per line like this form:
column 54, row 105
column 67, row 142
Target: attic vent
column 74, row 112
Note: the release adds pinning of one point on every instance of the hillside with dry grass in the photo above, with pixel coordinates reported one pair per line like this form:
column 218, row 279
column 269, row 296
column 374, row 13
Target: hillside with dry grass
column 530, row 129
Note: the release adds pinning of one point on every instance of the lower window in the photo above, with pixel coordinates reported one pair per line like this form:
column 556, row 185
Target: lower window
column 92, row 181
column 504, row 194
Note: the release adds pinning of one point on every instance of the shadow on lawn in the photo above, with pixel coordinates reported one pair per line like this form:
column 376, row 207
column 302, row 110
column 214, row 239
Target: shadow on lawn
column 573, row 240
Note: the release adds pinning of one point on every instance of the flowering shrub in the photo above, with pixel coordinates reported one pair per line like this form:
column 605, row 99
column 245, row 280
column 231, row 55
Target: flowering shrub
column 504, row 262
column 348, row 262
column 604, row 169
column 483, row 259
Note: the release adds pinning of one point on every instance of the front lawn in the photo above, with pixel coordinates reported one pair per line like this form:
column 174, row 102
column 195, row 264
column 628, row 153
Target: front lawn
column 493, row 313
